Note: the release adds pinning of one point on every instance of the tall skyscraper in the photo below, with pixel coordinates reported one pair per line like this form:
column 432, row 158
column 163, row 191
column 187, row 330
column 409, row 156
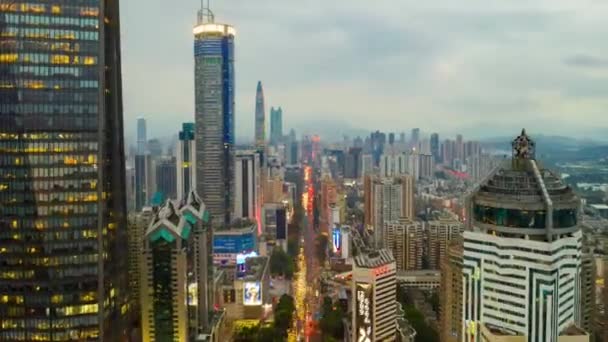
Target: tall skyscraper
column 142, row 136
column 415, row 138
column 141, row 166
column 62, row 175
column 374, row 288
column 276, row 125
column 521, row 257
column 260, row 118
column 166, row 176
column 459, row 150
column 186, row 161
column 352, row 164
column 387, row 199
column 435, row 148
column 144, row 180
column 214, row 114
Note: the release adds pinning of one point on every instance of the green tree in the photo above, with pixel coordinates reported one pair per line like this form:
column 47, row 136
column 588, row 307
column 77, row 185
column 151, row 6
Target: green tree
column 331, row 319
column 268, row 334
column 246, row 334
column 322, row 242
column 281, row 263
column 283, row 315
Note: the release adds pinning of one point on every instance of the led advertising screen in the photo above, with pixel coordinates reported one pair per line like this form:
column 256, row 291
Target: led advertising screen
column 364, row 312
column 233, row 244
column 252, row 294
column 336, row 239
column 281, row 224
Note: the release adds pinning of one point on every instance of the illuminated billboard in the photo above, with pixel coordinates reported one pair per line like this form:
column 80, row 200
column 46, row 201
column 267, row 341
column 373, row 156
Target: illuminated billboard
column 364, row 312
column 252, row 294
column 231, row 243
column 241, row 257
column 281, row 224
column 336, row 239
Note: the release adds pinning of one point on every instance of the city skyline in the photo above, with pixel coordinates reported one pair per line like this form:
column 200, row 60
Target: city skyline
column 505, row 64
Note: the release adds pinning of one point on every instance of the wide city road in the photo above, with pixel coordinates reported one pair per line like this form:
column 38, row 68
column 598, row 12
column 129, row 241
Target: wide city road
column 306, row 282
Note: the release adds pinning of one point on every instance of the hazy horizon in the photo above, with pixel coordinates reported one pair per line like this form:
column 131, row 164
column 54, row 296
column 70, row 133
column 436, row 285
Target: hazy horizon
column 476, row 67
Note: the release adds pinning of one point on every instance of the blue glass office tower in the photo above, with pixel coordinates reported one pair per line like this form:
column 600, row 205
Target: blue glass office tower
column 214, row 115
column 62, row 172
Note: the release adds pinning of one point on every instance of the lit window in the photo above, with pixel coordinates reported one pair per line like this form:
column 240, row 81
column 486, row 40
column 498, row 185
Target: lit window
column 60, row 59
column 8, row 57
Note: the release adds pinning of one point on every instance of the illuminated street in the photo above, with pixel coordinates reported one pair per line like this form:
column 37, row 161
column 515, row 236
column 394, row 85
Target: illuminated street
column 305, row 284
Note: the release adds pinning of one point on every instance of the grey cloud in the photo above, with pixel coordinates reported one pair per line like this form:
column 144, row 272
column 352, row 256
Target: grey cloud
column 586, row 61
column 393, row 63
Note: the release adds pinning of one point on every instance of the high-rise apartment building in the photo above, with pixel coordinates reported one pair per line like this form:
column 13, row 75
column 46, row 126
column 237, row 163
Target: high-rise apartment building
column 176, row 273
column 521, row 259
column 276, row 125
column 588, row 313
column 479, row 166
column 387, row 199
column 374, row 288
column 248, row 195
column 413, row 164
column 260, row 118
column 185, row 155
column 427, row 168
column 451, row 310
column 405, row 239
column 367, row 165
column 214, row 114
column 62, row 172
column 439, row 234
column 393, row 164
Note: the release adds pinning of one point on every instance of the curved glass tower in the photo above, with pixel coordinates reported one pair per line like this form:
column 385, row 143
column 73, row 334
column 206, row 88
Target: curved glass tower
column 62, row 204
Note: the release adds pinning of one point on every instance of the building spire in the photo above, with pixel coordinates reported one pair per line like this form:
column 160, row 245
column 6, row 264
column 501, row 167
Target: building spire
column 205, row 15
column 523, row 146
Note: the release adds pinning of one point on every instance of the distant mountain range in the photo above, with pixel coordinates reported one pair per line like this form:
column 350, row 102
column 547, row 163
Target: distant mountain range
column 554, row 148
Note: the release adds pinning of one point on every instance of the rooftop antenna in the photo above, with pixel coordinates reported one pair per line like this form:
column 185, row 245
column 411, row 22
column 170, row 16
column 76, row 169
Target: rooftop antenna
column 205, row 15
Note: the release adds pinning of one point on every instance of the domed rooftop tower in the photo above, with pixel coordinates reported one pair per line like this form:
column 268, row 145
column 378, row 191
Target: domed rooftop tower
column 517, row 270
column 522, row 199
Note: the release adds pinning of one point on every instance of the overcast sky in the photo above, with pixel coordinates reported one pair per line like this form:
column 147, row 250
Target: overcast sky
column 481, row 67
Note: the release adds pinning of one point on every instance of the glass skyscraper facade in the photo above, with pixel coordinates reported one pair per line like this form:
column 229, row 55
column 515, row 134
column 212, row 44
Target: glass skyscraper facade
column 214, row 116
column 62, row 204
